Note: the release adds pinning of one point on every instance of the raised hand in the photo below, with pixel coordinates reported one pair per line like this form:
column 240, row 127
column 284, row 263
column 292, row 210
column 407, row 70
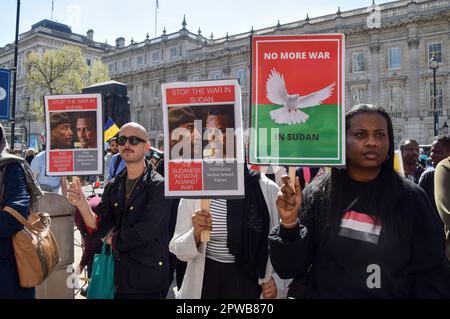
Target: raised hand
column 289, row 201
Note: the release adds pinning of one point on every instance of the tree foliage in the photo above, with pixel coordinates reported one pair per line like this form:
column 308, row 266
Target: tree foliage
column 98, row 73
column 60, row 71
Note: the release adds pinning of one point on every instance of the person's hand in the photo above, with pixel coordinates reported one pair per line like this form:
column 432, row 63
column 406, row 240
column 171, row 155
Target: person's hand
column 75, row 194
column 201, row 220
column 269, row 289
column 289, row 201
column 109, row 240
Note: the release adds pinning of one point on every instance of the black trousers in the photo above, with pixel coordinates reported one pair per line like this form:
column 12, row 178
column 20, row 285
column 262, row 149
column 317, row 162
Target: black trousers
column 228, row 281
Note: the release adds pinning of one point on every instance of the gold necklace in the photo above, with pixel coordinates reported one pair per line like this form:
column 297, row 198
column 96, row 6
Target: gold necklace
column 128, row 195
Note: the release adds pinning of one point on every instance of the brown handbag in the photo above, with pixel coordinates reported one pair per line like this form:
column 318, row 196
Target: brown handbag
column 35, row 248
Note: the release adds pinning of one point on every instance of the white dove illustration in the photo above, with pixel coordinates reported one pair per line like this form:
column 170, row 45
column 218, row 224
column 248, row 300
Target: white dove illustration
column 290, row 113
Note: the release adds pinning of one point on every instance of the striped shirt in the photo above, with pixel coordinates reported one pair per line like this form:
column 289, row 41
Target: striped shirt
column 216, row 247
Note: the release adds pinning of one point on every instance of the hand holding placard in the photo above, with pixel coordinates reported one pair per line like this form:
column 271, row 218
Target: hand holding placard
column 75, row 193
column 202, row 222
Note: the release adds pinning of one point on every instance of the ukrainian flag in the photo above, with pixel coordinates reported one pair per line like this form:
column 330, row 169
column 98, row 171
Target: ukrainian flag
column 111, row 129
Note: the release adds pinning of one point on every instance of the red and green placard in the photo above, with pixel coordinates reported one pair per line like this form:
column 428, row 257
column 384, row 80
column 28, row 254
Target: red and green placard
column 297, row 108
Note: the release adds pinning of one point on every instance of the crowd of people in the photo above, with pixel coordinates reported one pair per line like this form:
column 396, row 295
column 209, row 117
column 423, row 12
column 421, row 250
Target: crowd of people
column 362, row 231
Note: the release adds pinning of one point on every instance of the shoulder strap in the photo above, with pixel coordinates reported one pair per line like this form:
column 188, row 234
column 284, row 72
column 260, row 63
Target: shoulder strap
column 22, row 220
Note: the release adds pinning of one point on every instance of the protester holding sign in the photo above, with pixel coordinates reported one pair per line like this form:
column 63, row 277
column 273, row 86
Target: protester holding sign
column 363, row 231
column 133, row 206
column 238, row 246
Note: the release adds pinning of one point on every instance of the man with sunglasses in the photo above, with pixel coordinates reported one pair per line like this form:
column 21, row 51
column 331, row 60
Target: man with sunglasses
column 134, row 209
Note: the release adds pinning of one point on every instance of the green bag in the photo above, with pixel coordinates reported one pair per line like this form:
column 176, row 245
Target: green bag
column 101, row 285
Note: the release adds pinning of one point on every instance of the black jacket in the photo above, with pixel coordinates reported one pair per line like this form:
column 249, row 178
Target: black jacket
column 141, row 232
column 350, row 261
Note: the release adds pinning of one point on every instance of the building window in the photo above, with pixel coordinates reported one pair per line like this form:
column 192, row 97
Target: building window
column 359, row 95
column 173, row 53
column 439, row 96
column 111, row 67
column 124, row 64
column 139, row 92
column 140, row 60
column 216, row 75
column 88, row 62
column 436, row 50
column 195, row 77
column 139, row 117
column 396, row 101
column 155, row 90
column 240, row 74
column 358, row 62
column 394, row 58
column 155, row 56
column 115, row 66
column 154, row 119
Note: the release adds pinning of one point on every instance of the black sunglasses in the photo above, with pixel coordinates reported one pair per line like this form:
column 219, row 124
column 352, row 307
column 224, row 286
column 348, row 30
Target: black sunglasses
column 134, row 140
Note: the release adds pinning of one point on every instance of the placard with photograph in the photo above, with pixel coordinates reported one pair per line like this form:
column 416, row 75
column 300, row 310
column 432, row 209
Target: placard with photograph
column 74, row 134
column 203, row 140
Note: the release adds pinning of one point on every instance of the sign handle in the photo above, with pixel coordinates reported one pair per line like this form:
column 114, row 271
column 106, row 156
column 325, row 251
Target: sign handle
column 292, row 170
column 204, row 204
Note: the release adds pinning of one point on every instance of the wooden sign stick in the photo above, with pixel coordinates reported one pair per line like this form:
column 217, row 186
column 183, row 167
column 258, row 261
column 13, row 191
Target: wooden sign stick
column 292, row 170
column 204, row 205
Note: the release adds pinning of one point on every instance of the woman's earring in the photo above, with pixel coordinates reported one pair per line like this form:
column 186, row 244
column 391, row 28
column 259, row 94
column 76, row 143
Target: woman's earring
column 387, row 157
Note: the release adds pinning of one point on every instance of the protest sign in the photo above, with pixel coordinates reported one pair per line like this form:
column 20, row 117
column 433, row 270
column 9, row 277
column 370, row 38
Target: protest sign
column 74, row 134
column 203, row 141
column 297, row 108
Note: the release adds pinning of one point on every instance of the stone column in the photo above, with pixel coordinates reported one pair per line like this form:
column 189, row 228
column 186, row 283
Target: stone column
column 412, row 103
column 374, row 73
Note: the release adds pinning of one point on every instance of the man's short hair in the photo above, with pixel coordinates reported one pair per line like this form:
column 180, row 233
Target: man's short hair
column 58, row 118
column 179, row 116
column 445, row 140
column 113, row 139
column 227, row 112
column 86, row 116
column 403, row 142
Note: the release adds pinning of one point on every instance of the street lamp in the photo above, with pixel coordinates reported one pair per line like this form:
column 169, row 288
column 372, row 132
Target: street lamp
column 445, row 128
column 434, row 64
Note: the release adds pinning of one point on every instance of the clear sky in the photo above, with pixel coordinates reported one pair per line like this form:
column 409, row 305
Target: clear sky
column 111, row 19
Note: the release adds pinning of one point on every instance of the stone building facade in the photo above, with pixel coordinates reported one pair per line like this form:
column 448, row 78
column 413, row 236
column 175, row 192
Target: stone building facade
column 388, row 48
column 387, row 64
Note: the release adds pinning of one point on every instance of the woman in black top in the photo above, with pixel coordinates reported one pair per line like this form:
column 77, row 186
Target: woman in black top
column 362, row 231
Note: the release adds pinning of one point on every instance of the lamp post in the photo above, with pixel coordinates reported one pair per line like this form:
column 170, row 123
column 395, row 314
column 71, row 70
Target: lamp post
column 13, row 105
column 445, row 128
column 434, row 64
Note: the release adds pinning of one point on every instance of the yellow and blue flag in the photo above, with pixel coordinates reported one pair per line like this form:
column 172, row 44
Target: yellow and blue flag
column 111, row 129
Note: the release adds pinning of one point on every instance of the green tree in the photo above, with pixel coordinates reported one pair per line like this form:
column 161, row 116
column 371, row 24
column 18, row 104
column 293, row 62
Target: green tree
column 98, row 73
column 60, row 71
